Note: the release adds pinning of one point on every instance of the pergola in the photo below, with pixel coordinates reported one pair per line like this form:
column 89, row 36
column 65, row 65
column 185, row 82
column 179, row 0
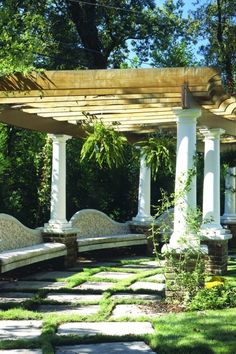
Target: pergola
column 136, row 102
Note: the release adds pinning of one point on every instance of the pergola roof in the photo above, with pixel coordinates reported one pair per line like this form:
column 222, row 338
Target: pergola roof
column 136, row 101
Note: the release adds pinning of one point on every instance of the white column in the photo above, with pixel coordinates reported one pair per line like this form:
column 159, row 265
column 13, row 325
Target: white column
column 185, row 187
column 211, row 226
column 58, row 184
column 211, row 184
column 229, row 216
column 144, row 193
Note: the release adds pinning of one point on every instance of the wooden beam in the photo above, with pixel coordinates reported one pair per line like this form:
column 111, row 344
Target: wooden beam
column 112, row 78
column 33, row 122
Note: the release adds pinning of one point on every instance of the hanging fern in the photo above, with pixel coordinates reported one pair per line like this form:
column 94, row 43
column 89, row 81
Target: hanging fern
column 105, row 145
column 158, row 151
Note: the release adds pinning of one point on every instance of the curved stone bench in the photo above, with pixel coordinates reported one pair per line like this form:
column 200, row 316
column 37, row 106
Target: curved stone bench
column 21, row 246
column 97, row 231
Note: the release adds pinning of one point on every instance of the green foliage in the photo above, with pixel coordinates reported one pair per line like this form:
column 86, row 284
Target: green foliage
column 20, row 172
column 217, row 297
column 24, row 33
column 216, row 26
column 104, row 145
column 159, row 152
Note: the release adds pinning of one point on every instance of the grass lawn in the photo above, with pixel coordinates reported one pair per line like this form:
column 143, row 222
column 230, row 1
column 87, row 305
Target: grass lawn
column 200, row 332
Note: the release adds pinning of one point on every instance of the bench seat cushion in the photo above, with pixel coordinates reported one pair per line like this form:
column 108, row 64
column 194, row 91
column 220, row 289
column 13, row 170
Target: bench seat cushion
column 28, row 255
column 111, row 241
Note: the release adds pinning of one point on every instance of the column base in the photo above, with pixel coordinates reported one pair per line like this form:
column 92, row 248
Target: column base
column 215, row 233
column 68, row 238
column 57, row 226
column 183, row 243
column 232, row 228
column 146, row 229
column 228, row 219
column 217, row 243
column 142, row 219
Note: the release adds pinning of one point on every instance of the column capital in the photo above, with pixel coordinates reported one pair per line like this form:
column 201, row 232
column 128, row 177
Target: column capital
column 61, row 138
column 212, row 134
column 187, row 116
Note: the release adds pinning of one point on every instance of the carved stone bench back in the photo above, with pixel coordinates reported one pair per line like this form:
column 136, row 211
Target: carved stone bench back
column 13, row 234
column 91, row 222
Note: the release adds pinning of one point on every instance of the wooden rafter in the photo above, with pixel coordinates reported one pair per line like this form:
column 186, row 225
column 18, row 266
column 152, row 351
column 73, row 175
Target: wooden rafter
column 137, row 101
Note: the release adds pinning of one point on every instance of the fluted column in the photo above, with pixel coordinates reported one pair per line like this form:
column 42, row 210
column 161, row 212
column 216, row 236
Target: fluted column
column 144, row 193
column 58, row 184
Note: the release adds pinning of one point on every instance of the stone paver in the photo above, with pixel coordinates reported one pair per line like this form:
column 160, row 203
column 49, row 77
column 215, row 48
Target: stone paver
column 10, row 330
column 73, row 298
column 93, row 285
column 106, row 348
column 105, row 328
column 139, row 267
column 133, row 310
column 33, row 285
column 131, row 297
column 114, row 275
column 14, row 297
column 157, row 277
column 143, row 285
column 50, row 275
column 21, row 351
column 154, row 264
column 69, row 310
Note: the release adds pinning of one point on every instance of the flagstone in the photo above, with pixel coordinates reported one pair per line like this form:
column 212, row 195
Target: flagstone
column 157, row 277
column 92, row 285
column 154, row 264
column 114, row 275
column 73, row 298
column 133, row 310
column 33, row 285
column 106, row 348
column 142, row 285
column 14, row 297
column 21, row 351
column 74, row 310
column 105, row 328
column 11, row 330
column 50, row 275
column 149, row 297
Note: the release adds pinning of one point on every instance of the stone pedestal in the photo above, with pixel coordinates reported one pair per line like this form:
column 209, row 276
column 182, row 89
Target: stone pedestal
column 68, row 238
column 146, row 229
column 217, row 258
column 232, row 228
column 184, row 274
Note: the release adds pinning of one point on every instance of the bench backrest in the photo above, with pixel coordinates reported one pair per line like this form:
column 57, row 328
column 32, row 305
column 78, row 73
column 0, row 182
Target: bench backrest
column 91, row 222
column 14, row 235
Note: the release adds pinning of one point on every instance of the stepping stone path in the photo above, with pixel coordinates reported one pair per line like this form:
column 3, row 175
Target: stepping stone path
column 143, row 285
column 114, row 275
column 106, row 328
column 67, row 310
column 74, row 298
column 84, row 300
column 50, row 275
column 14, row 297
column 133, row 311
column 106, row 348
column 33, row 285
column 21, row 351
column 92, row 285
column 10, row 330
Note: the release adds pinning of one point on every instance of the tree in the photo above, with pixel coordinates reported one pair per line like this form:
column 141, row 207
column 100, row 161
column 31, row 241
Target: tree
column 70, row 34
column 216, row 26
